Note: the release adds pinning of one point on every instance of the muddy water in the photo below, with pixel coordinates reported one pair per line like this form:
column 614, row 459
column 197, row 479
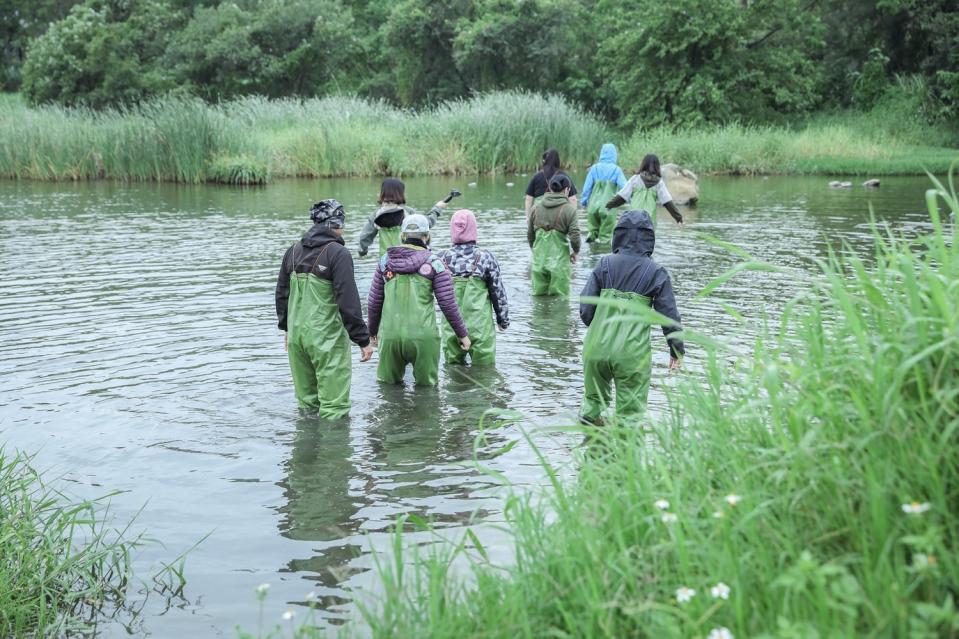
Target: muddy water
column 139, row 353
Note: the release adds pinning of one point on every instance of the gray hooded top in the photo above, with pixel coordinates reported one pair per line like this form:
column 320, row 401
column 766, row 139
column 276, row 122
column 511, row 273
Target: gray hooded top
column 631, row 269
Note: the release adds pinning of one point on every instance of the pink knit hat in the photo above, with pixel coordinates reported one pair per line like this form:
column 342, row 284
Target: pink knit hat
column 463, row 227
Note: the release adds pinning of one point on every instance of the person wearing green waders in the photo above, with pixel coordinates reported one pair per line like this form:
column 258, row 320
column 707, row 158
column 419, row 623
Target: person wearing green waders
column 645, row 190
column 480, row 293
column 318, row 307
column 385, row 222
column 553, row 233
column 539, row 184
column 616, row 349
column 602, row 181
column 401, row 308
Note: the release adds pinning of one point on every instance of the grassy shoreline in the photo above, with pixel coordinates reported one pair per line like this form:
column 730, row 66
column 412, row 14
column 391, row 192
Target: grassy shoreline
column 254, row 140
column 808, row 489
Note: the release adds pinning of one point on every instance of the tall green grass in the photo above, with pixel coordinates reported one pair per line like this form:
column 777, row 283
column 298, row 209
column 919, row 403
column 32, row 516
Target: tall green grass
column 63, row 568
column 252, row 139
column 810, row 489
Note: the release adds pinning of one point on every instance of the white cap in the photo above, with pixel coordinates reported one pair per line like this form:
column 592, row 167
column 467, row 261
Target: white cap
column 415, row 224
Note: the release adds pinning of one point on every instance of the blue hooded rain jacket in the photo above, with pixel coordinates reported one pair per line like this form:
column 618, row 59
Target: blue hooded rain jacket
column 604, row 170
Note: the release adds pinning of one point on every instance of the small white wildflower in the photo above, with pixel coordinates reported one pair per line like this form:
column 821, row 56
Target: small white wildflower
column 311, row 596
column 733, row 499
column 669, row 518
column 720, row 591
column 662, row 504
column 924, row 561
column 916, row 508
column 720, row 633
column 262, row 588
column 718, row 514
column 684, row 594
column 289, row 614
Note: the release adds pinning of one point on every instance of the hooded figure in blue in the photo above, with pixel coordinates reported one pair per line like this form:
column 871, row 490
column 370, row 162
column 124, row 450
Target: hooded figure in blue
column 604, row 179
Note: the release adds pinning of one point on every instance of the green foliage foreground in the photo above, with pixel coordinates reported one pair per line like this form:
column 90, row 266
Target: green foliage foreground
column 809, row 489
column 253, row 140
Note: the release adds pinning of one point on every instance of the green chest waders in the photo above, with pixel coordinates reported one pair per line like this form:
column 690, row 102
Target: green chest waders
column 389, row 237
column 472, row 296
column 318, row 346
column 616, row 351
column 599, row 220
column 408, row 332
column 644, row 199
column 551, row 267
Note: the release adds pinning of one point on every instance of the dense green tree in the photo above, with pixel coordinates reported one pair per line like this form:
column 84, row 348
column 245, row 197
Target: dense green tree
column 20, row 22
column 693, row 62
column 102, row 53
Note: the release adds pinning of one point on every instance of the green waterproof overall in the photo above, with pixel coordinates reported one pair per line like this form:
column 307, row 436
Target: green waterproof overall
column 408, row 332
column 472, row 296
column 616, row 350
column 644, row 199
column 388, row 237
column 600, row 221
column 551, row 268
column 318, row 346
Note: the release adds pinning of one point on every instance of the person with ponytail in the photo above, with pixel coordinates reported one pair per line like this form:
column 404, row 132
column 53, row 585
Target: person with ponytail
column 539, row 183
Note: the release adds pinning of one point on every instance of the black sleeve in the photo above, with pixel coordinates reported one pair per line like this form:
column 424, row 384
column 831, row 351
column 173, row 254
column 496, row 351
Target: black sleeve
column 671, row 207
column 531, row 187
column 594, row 286
column 282, row 294
column 346, row 295
column 617, row 200
column 665, row 303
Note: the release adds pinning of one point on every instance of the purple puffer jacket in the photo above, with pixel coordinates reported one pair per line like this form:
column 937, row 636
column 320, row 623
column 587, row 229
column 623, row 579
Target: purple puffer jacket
column 405, row 260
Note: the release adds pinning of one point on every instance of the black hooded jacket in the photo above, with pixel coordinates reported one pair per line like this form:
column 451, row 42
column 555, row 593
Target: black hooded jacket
column 335, row 264
column 631, row 269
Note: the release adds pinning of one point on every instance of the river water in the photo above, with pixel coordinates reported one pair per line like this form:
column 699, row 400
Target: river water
column 139, row 353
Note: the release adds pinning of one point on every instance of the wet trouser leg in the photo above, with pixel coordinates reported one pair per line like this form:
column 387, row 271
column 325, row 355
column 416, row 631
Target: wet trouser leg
column 593, row 223
column 425, row 355
column 632, row 388
column 392, row 363
column 541, row 282
column 608, row 223
column 598, row 388
column 304, row 376
column 483, row 350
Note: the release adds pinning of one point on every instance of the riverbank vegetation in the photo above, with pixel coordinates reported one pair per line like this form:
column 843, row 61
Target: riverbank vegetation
column 253, row 140
column 806, row 489
column 61, row 564
column 453, row 86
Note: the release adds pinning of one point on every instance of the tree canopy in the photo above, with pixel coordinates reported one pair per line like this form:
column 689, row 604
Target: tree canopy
column 643, row 63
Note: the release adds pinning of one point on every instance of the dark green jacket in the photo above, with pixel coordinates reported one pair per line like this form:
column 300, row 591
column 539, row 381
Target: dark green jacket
column 554, row 213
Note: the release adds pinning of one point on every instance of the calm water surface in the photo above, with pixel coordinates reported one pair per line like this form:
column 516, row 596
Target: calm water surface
column 139, row 352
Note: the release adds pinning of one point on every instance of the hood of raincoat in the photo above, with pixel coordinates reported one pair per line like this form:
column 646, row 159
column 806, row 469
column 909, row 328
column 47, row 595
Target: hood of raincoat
column 649, row 179
column 318, row 235
column 389, row 215
column 634, row 234
column 406, row 259
column 608, row 154
column 552, row 200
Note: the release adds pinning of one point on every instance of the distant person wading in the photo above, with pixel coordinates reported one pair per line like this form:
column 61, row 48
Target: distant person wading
column 539, row 184
column 401, row 309
column 552, row 231
column 645, row 190
column 318, row 306
column 603, row 180
column 386, row 221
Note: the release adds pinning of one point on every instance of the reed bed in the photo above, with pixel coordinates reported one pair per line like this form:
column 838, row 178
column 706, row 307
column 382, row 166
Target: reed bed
column 61, row 564
column 810, row 489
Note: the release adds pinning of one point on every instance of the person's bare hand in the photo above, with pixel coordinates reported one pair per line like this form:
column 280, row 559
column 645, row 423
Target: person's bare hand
column 441, row 204
column 374, row 341
column 682, row 225
column 465, row 343
column 501, row 328
column 366, row 352
column 573, row 258
column 675, row 363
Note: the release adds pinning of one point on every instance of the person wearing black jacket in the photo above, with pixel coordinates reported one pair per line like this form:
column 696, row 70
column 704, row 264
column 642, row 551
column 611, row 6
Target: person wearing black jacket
column 617, row 348
column 318, row 307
